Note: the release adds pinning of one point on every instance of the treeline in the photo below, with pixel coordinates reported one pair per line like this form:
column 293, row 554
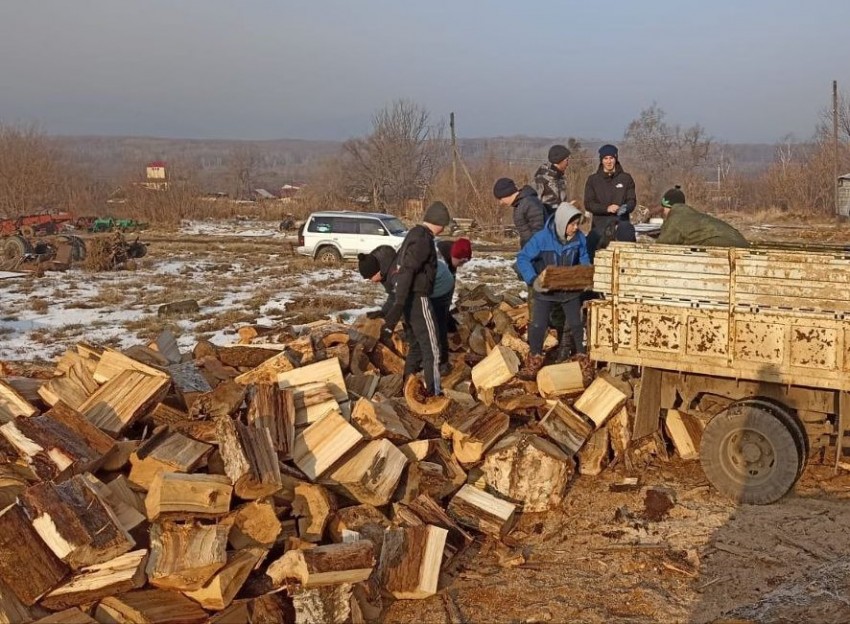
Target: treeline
column 407, row 156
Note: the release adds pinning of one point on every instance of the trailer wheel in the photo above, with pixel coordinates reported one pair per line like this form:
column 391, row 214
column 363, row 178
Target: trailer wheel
column 790, row 420
column 328, row 255
column 750, row 455
column 16, row 247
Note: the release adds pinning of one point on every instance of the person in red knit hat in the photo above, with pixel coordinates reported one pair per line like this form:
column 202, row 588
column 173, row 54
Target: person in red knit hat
column 456, row 254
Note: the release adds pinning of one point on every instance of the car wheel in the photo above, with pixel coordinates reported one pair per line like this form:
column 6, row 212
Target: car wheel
column 328, row 255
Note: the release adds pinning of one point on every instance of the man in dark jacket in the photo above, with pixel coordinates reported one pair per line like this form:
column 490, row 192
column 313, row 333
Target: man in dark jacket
column 685, row 226
column 416, row 265
column 530, row 213
column 550, row 180
column 379, row 266
column 609, row 194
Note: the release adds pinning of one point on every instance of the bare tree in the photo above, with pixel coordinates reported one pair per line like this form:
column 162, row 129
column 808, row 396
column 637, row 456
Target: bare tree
column 243, row 163
column 29, row 170
column 823, row 132
column 399, row 159
column 664, row 152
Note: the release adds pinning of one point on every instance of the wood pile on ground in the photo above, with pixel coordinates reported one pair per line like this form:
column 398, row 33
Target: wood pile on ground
column 292, row 477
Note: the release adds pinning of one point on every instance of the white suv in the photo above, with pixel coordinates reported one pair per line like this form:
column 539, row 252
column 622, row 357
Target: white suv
column 331, row 236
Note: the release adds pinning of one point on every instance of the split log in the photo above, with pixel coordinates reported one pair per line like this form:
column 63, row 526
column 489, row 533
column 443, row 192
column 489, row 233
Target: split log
column 378, row 419
column 58, row 443
column 77, row 525
column 118, row 458
column 274, row 409
column 245, row 356
column 268, row 371
column 476, row 433
column 312, row 506
column 330, row 604
column 189, row 382
column 253, row 525
column 416, row 401
column 12, row 404
column 448, row 477
column 558, row 380
column 150, row 606
column 566, row 427
column 620, row 432
column 515, row 344
column 111, row 363
column 372, row 474
column 164, row 414
column 362, row 385
column 309, row 414
column 496, row 369
column 323, row 443
column 167, row 451
column 410, row 561
column 603, row 398
column 567, row 277
column 249, row 458
column 528, row 470
column 12, row 610
column 72, row 388
column 129, row 517
column 223, row 400
column 430, row 512
column 366, row 520
column 27, row 387
column 185, row 556
column 417, row 450
column 14, row 479
column 92, row 583
column 460, row 372
column 28, row 566
column 146, row 355
column 477, row 341
column 391, row 385
column 124, row 398
column 482, row 511
column 386, row 360
column 222, row 588
column 685, row 430
column 463, row 400
column 325, row 371
column 520, row 403
column 331, row 564
column 594, row 455
column 166, row 344
column 74, row 615
column 186, row 495
column 235, row 613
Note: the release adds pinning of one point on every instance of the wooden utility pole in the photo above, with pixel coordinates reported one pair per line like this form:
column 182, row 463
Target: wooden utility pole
column 454, row 160
column 835, row 142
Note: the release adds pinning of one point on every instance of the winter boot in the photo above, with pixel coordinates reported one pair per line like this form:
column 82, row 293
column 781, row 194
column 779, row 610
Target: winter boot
column 566, row 347
column 532, row 364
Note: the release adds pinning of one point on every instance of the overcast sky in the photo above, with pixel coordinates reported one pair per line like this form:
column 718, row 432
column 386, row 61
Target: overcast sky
column 747, row 70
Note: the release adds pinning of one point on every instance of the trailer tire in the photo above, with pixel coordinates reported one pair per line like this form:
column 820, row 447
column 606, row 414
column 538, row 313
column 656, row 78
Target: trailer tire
column 750, row 455
column 15, row 247
column 790, row 420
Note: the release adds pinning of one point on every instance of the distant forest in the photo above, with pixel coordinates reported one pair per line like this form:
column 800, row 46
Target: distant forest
column 211, row 164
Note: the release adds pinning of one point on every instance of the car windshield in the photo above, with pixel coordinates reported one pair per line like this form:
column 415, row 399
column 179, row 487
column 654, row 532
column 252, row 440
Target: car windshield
column 394, row 226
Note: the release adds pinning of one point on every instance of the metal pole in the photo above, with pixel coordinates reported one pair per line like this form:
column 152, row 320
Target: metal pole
column 454, row 161
column 835, row 141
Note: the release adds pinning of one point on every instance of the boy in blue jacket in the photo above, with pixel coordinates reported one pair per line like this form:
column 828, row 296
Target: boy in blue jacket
column 559, row 243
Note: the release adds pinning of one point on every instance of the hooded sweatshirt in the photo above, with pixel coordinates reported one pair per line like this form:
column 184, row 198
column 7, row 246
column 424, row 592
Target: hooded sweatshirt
column 549, row 247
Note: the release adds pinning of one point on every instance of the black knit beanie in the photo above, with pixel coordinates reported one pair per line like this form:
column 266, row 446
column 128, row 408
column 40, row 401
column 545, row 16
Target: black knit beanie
column 608, row 150
column 504, row 187
column 368, row 265
column 557, row 153
column 437, row 214
column 673, row 196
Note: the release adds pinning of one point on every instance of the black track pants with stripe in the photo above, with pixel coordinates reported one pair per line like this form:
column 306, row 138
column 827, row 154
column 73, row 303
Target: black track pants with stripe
column 423, row 344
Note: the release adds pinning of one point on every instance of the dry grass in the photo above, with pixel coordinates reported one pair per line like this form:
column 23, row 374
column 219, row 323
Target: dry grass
column 39, row 305
column 109, row 296
column 222, row 320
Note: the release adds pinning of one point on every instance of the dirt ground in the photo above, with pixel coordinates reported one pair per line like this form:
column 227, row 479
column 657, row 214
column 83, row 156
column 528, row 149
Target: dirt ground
column 668, row 550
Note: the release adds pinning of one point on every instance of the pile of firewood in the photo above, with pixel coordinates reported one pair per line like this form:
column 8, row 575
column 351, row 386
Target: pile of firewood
column 291, row 476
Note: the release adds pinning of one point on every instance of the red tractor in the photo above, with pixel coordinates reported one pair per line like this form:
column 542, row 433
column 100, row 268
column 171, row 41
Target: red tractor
column 35, row 224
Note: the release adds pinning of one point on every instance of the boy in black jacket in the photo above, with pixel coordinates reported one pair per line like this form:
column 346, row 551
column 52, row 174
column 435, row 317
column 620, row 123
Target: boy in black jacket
column 416, row 265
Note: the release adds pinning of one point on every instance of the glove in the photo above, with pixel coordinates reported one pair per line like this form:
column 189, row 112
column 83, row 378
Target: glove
column 386, row 335
column 374, row 314
column 537, row 285
column 623, row 210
